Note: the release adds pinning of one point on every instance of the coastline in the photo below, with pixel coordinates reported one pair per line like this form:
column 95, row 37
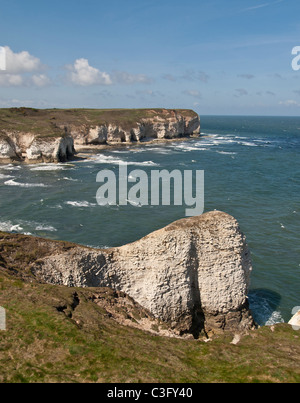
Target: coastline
column 84, row 151
column 241, row 352
column 34, row 135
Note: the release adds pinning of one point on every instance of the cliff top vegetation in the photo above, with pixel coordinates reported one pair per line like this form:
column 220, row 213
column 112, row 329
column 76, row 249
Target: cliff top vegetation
column 59, row 334
column 51, row 122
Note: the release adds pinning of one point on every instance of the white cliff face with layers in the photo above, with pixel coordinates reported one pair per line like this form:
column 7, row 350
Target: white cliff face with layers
column 29, row 148
column 54, row 141
column 50, row 150
column 8, row 150
column 194, row 273
column 166, row 125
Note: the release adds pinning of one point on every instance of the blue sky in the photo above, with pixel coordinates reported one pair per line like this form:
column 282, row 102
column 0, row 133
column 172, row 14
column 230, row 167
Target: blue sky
column 213, row 56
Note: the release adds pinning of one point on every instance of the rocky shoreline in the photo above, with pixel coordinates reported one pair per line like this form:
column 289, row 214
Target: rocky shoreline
column 35, row 136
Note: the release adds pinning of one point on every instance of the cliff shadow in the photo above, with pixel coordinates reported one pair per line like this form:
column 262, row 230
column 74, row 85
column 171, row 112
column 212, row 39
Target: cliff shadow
column 198, row 317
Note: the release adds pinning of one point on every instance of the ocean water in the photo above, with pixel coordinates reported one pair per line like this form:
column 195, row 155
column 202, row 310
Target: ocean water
column 252, row 171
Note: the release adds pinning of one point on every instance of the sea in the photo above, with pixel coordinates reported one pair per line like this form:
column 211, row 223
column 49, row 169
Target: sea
column 251, row 170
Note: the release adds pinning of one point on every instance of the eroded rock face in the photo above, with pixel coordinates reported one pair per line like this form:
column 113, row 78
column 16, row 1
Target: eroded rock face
column 50, row 149
column 9, row 152
column 165, row 125
column 295, row 320
column 26, row 147
column 194, row 273
column 50, row 136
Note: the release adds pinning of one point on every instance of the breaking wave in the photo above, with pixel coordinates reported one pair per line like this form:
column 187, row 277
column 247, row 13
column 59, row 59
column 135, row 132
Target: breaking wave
column 81, row 204
column 2, row 176
column 107, row 159
column 12, row 182
column 25, row 227
column 264, row 307
column 48, row 167
column 8, row 226
column 11, row 167
column 45, row 228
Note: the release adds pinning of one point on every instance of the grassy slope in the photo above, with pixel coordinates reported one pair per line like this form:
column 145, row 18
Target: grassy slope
column 84, row 344
column 50, row 122
column 44, row 345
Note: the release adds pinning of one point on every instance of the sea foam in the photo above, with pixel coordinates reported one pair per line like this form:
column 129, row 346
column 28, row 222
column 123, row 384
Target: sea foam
column 80, row 204
column 12, row 182
column 2, row 176
column 107, row 159
column 45, row 228
column 48, row 167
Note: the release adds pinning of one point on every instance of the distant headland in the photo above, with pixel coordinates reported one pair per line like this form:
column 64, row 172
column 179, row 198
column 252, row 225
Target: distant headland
column 56, row 135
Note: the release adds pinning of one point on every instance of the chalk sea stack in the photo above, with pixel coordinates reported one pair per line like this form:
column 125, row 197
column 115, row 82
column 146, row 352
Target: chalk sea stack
column 192, row 274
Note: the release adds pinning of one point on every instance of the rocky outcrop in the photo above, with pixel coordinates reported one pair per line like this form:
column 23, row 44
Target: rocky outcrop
column 50, row 149
column 9, row 151
column 166, row 124
column 193, row 274
column 295, row 319
column 26, row 147
column 34, row 135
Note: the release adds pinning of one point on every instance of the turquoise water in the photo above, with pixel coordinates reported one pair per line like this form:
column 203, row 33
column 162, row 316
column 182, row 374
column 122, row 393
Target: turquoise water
column 252, row 171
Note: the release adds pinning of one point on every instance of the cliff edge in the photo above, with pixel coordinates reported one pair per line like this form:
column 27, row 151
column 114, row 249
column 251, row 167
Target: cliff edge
column 51, row 135
column 192, row 274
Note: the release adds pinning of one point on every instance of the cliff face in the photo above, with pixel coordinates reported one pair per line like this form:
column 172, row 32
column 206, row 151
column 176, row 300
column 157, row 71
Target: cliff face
column 193, row 274
column 36, row 135
column 9, row 151
column 50, row 150
column 27, row 147
column 164, row 125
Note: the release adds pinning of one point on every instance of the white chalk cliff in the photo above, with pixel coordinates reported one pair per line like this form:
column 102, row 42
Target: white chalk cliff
column 193, row 274
column 52, row 135
column 166, row 125
column 9, row 151
column 50, row 150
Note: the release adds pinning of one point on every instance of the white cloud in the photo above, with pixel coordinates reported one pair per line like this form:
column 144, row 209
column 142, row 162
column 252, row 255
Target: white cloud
column 22, row 62
column 289, row 102
column 247, row 76
column 256, row 7
column 81, row 73
column 14, row 102
column 150, row 93
column 189, row 75
column 192, row 93
column 262, row 5
column 240, row 92
column 192, row 75
column 10, row 80
column 169, row 77
column 40, row 80
column 122, row 77
column 18, row 80
column 20, row 68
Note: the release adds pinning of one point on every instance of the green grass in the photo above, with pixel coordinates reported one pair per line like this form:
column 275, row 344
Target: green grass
column 42, row 344
column 51, row 122
column 51, row 339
